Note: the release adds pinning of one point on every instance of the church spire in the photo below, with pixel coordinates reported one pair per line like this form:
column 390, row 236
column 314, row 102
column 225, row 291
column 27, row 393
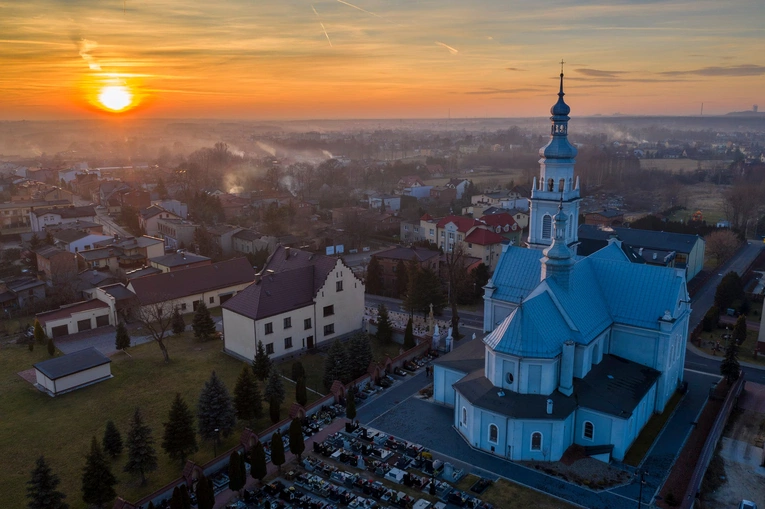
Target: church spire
column 559, row 259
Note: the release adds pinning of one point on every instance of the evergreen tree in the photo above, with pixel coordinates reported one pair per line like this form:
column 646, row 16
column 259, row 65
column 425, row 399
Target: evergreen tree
column 480, row 279
column 236, row 480
column 297, row 442
column 215, row 410
column 298, row 371
column 414, row 291
column 336, row 365
column 277, row 450
column 205, row 493
column 730, row 289
column 41, row 488
column 247, row 398
column 151, row 506
column 178, row 324
column 51, row 347
column 49, row 238
column 432, row 291
column 179, row 440
column 274, row 410
column 359, row 355
column 384, row 326
column 729, row 367
column 711, row 319
column 203, row 324
column 161, row 190
column 274, row 387
column 258, row 467
column 34, row 242
column 402, row 279
column 112, row 442
column 373, row 283
column 739, row 330
column 185, row 497
column 409, row 342
column 301, row 394
column 122, row 339
column 142, row 457
column 39, row 333
column 350, row 405
column 175, row 500
column 97, row 479
column 261, row 366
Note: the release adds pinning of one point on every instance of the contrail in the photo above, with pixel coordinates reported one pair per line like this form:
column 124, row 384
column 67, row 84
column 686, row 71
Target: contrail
column 453, row 51
column 369, row 12
column 322, row 25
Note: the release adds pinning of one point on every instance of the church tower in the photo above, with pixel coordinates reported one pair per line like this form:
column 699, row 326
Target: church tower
column 556, row 182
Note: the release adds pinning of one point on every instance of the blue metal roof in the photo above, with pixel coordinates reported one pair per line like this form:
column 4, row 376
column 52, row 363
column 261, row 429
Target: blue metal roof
column 518, row 272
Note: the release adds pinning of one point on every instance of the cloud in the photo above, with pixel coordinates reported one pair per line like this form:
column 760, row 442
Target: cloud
column 734, row 70
column 500, row 91
column 453, row 51
column 84, row 47
column 514, row 69
column 599, row 73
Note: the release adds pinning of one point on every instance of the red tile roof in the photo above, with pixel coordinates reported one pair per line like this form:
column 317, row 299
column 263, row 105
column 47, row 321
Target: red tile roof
column 502, row 219
column 464, row 224
column 484, row 237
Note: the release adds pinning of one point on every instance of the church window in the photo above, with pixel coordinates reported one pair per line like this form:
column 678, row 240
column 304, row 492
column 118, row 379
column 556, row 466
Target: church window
column 570, row 184
column 550, row 185
column 561, row 185
column 464, row 416
column 509, row 378
column 536, row 441
column 589, row 430
column 547, row 226
column 493, row 433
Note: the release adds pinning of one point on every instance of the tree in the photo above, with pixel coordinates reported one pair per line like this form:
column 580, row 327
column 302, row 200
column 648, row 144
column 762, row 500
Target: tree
column 236, row 477
column 203, row 324
column 456, row 274
column 97, row 479
column 142, row 457
column 298, row 371
column 373, row 284
column 729, row 367
column 432, row 292
column 414, row 291
column 205, row 493
column 301, row 394
column 731, row 288
column 274, row 387
column 277, row 450
column 739, row 330
column 39, row 332
column 122, row 338
column 711, row 319
column 177, row 322
column 402, row 279
column 185, row 497
column 215, row 412
column 248, row 401
column 297, row 442
column 336, row 365
column 112, row 442
column 721, row 244
column 274, row 410
column 175, row 500
column 157, row 318
column 350, row 406
column 258, row 467
column 161, row 190
column 41, row 488
column 360, row 355
column 261, row 365
column 179, row 439
column 49, row 240
column 34, row 242
column 51, row 347
column 409, row 341
column 384, row 326
column 480, row 279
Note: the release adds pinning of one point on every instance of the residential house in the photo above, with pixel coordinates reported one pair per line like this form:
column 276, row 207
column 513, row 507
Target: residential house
column 136, row 198
column 299, row 300
column 248, row 241
column 176, row 233
column 434, row 170
column 73, row 240
column 15, row 215
column 605, row 217
column 429, row 228
column 55, row 265
column 381, row 222
column 20, row 292
column 409, row 231
column 521, row 217
column 233, row 206
column 40, row 218
column 121, row 255
column 417, row 192
column 142, row 272
column 390, row 258
column 222, row 235
column 484, row 244
column 122, row 302
column 77, row 317
column 179, row 260
column 453, row 229
column 177, row 207
column 443, row 194
column 392, row 202
column 460, row 185
column 85, row 226
column 148, row 219
column 504, row 224
column 410, row 181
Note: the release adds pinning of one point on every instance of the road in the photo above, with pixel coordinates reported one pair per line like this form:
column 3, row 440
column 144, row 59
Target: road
column 102, row 217
column 468, row 319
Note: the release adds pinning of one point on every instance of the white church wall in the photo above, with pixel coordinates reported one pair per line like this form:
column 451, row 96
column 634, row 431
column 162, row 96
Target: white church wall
column 637, row 345
column 538, row 376
column 443, row 379
column 498, row 366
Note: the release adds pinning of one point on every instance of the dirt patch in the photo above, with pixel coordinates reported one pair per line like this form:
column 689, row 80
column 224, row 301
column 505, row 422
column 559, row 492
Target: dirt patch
column 587, row 472
column 741, row 482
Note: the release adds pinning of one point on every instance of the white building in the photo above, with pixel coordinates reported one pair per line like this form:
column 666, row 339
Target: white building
column 43, row 217
column 72, row 371
column 297, row 302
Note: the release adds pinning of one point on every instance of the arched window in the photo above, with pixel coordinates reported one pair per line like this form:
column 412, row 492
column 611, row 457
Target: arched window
column 550, row 185
column 570, row 184
column 464, row 416
column 571, row 226
column 536, row 441
column 589, row 430
column 493, row 433
column 547, row 226
column 561, row 185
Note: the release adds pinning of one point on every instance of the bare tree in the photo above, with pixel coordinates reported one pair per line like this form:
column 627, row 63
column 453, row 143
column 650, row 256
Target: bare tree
column 721, row 244
column 157, row 318
column 455, row 273
column 741, row 201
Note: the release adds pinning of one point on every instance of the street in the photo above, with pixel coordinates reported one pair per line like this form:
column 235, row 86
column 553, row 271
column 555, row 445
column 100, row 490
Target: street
column 102, row 217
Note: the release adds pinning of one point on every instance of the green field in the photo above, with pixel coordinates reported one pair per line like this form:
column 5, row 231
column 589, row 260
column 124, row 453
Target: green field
column 32, row 423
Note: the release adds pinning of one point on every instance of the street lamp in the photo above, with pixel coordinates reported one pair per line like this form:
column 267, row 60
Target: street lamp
column 642, row 483
column 215, row 443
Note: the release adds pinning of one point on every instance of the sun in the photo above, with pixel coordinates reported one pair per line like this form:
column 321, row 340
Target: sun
column 115, row 97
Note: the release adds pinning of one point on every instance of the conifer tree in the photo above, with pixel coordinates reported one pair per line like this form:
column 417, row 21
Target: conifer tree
column 215, row 410
column 112, row 442
column 175, row 500
column 97, row 479
column 336, row 365
column 179, row 440
column 178, row 324
column 373, row 283
column 161, row 189
column 277, row 450
column 414, row 291
column 274, row 387
column 384, row 327
column 235, row 479
column 402, row 279
column 205, row 493
column 301, row 394
column 729, row 367
column 51, row 347
column 203, row 324
column 350, row 405
column 151, row 506
column 298, row 371
column 297, row 442
column 41, row 488
column 274, row 410
column 409, row 342
column 34, row 242
column 142, row 457
column 185, row 498
column 258, row 467
column 261, row 365
column 359, row 355
column 39, row 333
column 122, row 338
column 247, row 399
column 739, row 330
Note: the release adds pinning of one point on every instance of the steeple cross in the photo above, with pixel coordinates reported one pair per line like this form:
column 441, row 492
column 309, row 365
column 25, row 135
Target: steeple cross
column 561, row 65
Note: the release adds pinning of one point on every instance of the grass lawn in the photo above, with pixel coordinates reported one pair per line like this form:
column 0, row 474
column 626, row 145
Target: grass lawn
column 32, row 423
column 745, row 350
column 502, row 492
column 653, row 427
column 15, row 325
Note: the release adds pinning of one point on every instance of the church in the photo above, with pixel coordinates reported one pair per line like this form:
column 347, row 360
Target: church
column 579, row 350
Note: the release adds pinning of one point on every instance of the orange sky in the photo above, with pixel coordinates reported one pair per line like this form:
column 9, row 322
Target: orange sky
column 379, row 58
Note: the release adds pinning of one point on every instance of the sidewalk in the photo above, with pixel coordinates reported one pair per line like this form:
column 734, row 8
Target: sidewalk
column 744, row 364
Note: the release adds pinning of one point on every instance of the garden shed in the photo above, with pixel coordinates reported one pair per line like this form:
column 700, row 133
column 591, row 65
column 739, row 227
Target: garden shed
column 72, row 371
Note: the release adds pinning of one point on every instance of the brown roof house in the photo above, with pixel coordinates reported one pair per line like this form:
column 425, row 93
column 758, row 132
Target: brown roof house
column 56, row 265
column 298, row 301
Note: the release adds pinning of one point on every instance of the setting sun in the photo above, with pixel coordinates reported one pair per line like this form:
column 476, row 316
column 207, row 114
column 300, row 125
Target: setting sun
column 115, row 97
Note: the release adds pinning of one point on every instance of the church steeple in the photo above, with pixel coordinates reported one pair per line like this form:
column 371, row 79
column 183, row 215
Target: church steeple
column 558, row 259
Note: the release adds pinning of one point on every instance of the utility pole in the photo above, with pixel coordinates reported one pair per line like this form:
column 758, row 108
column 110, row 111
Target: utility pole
column 642, row 483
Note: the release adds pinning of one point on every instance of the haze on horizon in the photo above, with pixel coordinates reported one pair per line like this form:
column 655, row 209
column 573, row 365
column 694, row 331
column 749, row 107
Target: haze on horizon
column 378, row 58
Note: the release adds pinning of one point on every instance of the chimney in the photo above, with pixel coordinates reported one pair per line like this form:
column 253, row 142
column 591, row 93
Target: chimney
column 549, row 407
column 566, row 384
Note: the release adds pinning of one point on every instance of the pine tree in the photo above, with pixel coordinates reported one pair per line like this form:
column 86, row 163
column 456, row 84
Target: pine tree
column 360, row 355
column 34, row 242
column 49, row 240
column 433, row 292
column 297, row 442
column 350, row 405
column 178, row 324
column 39, row 333
column 247, row 399
column 97, row 479
column 261, row 365
column 112, row 442
column 731, row 288
column 185, row 497
column 409, row 342
column 402, row 279
column 179, row 440
column 41, row 488
column 203, row 324
column 336, row 365
column 384, row 327
column 51, row 347
column 298, row 371
column 277, row 450
column 122, row 339
column 175, row 500
column 151, row 506
column 258, row 467
column 414, row 292
column 301, row 394
column 205, row 493
column 274, row 387
column 373, row 283
column 739, row 330
column 161, row 189
column 235, row 479
column 142, row 457
column 274, row 410
column 215, row 410
column 729, row 367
